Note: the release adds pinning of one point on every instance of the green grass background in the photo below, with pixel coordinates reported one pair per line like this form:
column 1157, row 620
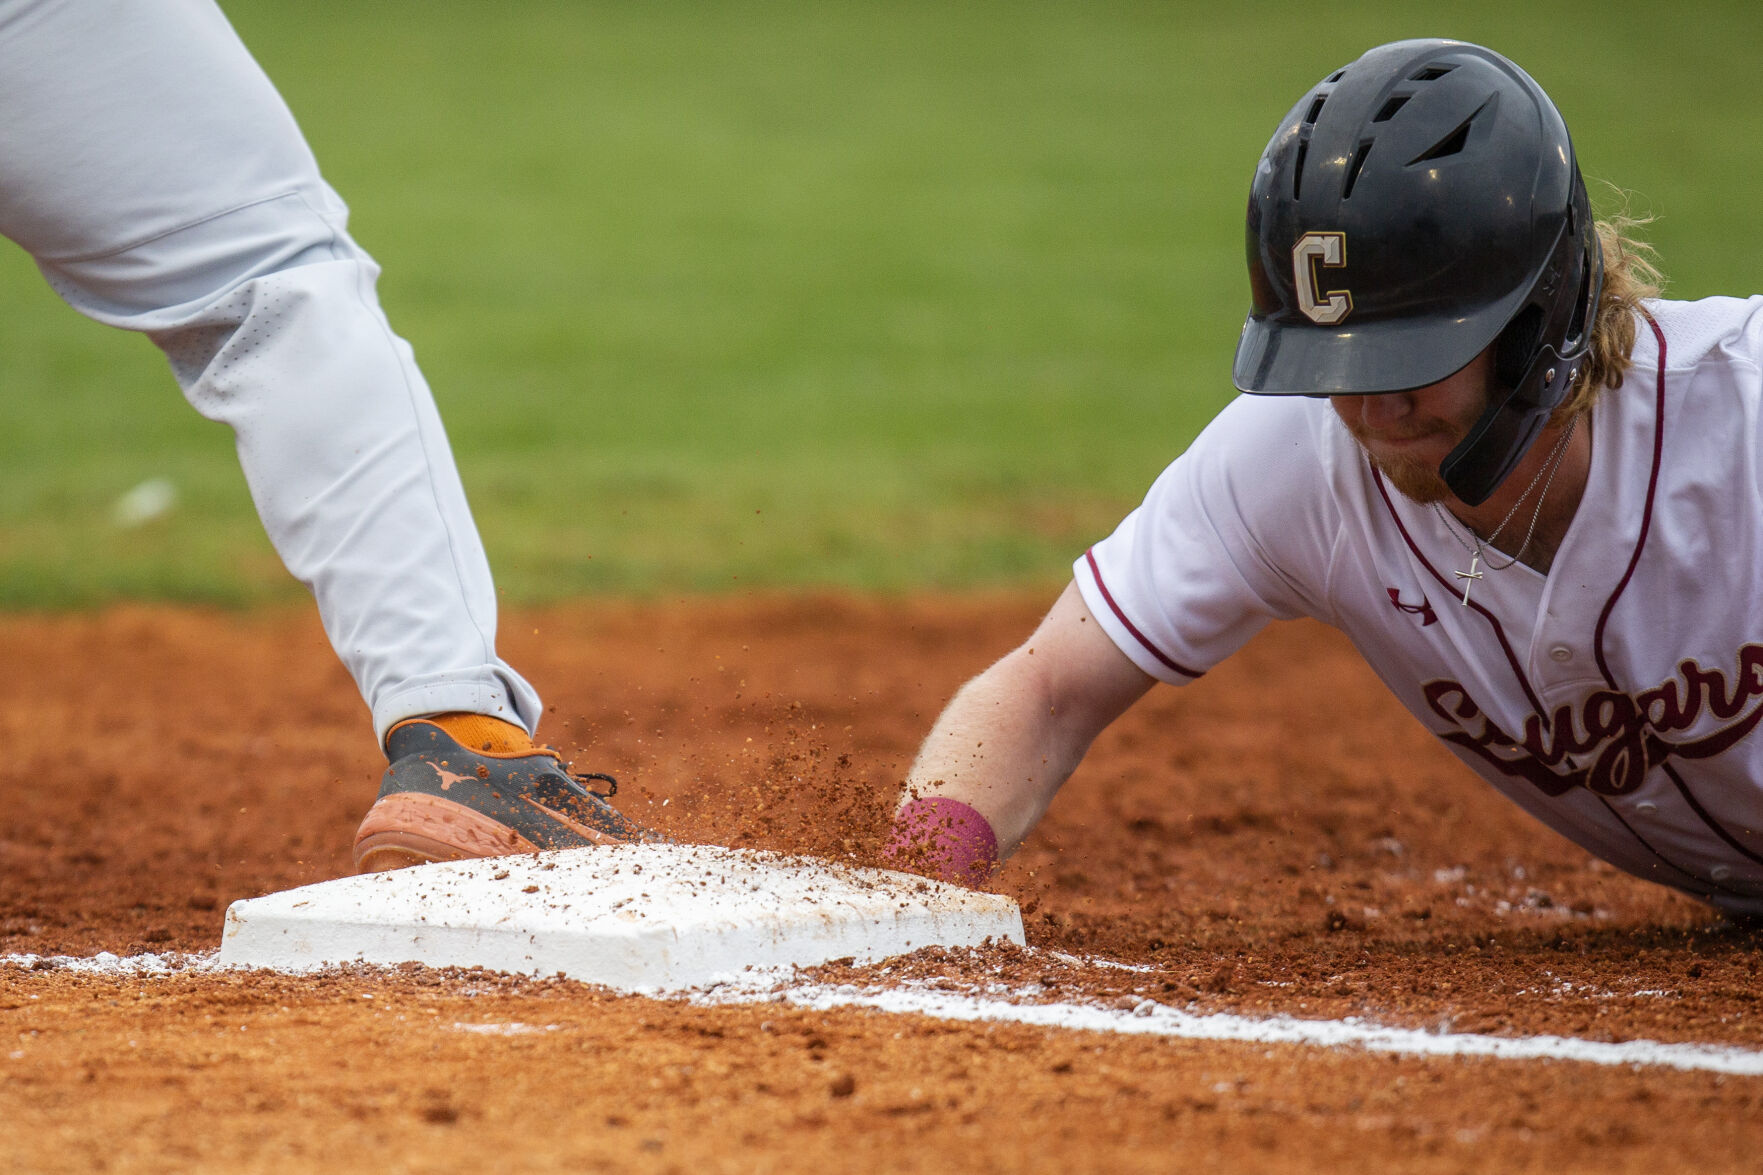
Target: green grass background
column 806, row 291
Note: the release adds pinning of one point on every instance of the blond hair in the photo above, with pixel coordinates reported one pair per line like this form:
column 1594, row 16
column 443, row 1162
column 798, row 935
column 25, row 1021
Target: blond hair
column 1631, row 274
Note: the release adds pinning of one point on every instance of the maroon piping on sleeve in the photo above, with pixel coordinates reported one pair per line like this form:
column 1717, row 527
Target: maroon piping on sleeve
column 1162, row 658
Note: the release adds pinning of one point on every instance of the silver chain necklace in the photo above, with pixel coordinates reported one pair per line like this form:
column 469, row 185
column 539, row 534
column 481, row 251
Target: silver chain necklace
column 1477, row 552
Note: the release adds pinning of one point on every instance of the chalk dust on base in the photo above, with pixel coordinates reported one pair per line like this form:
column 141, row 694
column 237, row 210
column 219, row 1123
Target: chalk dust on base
column 632, row 917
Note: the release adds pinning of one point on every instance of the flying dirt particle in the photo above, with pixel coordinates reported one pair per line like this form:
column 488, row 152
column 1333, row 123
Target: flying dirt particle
column 440, row 1113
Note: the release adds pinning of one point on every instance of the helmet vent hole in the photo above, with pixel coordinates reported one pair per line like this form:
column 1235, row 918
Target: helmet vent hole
column 1451, row 144
column 1337, row 75
column 1298, row 169
column 1316, row 108
column 1389, row 108
column 1431, row 73
column 1358, row 165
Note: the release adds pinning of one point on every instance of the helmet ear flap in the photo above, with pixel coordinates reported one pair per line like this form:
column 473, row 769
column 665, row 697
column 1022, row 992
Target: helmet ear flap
column 1516, row 346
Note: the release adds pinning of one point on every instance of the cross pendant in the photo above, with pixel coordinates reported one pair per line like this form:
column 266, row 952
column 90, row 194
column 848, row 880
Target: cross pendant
column 1469, row 577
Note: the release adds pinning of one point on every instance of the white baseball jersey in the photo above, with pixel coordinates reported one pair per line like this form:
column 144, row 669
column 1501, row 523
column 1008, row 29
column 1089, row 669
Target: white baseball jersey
column 154, row 174
column 1615, row 698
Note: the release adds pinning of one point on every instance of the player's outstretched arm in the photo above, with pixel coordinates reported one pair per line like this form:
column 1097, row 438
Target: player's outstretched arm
column 1008, row 741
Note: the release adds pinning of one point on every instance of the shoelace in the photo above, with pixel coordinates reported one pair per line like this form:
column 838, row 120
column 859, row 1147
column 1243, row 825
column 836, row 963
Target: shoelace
column 611, row 783
column 584, row 776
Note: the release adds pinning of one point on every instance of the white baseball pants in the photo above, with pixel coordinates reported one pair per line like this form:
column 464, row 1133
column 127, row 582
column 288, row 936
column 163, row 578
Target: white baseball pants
column 161, row 185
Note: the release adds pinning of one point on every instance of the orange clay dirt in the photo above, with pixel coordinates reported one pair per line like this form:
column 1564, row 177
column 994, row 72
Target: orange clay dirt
column 1277, row 838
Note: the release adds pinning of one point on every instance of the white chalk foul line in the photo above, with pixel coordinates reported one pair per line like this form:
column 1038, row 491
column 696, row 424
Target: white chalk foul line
column 105, row 963
column 1152, row 1019
column 1148, row 1018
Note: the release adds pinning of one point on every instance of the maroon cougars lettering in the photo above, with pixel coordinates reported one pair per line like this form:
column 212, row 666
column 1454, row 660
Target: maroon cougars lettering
column 1623, row 735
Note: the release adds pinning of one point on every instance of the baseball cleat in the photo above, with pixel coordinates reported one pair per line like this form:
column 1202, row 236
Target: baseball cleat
column 441, row 801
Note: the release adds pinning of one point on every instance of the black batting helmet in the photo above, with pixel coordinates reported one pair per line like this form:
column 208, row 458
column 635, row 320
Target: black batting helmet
column 1413, row 208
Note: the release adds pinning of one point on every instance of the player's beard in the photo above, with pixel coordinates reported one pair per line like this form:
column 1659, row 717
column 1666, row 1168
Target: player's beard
column 1418, row 481
column 1417, row 478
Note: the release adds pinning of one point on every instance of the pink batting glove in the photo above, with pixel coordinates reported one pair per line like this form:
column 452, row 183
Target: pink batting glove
column 945, row 838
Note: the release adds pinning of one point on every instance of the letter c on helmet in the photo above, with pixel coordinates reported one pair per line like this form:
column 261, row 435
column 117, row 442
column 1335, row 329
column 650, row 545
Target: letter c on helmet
column 1311, row 250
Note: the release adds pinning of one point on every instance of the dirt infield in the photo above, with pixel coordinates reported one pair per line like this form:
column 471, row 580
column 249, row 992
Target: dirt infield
column 1277, row 839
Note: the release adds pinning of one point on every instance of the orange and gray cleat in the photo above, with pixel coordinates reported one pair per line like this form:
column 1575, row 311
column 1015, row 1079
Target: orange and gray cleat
column 441, row 801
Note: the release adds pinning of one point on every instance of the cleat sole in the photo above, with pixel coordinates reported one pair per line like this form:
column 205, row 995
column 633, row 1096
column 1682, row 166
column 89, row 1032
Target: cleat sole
column 411, row 829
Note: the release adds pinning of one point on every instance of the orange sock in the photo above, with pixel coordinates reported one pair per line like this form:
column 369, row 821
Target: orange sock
column 480, row 732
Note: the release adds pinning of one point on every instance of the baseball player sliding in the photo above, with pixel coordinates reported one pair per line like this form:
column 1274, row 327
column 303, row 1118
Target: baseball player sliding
column 153, row 173
column 1477, row 442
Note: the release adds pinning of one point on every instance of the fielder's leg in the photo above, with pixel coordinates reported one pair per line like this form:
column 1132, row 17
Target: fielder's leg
column 162, row 186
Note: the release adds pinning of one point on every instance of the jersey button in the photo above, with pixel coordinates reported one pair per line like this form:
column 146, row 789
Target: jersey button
column 1561, row 653
column 1646, row 807
column 1720, row 872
